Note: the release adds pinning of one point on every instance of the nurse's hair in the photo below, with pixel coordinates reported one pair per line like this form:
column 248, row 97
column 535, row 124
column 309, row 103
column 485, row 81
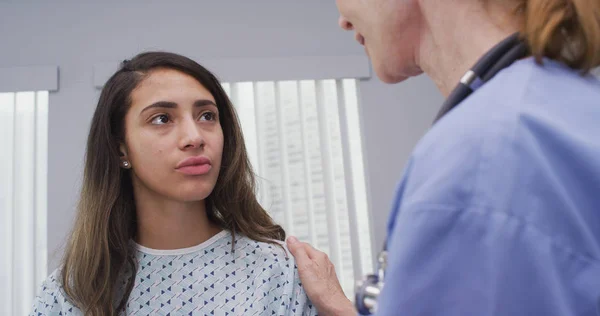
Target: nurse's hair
column 564, row 30
column 99, row 256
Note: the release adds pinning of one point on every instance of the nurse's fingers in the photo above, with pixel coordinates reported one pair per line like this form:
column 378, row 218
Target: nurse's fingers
column 305, row 248
column 298, row 250
column 305, row 253
column 313, row 253
column 319, row 279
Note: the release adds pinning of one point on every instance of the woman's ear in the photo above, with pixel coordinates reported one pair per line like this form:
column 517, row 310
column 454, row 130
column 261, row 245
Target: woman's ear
column 125, row 163
column 122, row 150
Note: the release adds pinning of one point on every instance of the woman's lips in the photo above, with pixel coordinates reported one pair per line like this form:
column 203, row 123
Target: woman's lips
column 197, row 165
column 195, row 170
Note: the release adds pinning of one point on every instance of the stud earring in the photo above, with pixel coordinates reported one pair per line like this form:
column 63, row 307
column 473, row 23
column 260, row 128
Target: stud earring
column 126, row 164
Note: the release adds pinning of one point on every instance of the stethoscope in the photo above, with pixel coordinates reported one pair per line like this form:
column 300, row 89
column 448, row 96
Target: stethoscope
column 499, row 57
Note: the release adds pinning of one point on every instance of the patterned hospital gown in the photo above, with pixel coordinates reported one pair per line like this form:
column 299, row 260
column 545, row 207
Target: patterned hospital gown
column 208, row 279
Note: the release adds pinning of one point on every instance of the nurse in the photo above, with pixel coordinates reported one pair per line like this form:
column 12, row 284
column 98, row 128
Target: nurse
column 498, row 209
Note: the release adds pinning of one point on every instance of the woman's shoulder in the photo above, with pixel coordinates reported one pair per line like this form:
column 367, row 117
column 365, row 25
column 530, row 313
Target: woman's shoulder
column 273, row 249
column 271, row 257
column 50, row 299
column 52, row 286
column 275, row 274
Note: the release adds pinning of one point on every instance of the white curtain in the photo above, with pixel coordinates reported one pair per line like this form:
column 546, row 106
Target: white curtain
column 23, row 177
column 304, row 142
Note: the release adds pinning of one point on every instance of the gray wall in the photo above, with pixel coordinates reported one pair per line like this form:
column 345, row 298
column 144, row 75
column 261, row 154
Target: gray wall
column 394, row 119
column 74, row 36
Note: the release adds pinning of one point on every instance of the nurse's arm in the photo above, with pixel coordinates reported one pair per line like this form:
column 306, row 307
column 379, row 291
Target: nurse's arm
column 470, row 260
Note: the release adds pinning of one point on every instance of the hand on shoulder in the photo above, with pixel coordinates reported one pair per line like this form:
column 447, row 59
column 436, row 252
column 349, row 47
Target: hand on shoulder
column 319, row 279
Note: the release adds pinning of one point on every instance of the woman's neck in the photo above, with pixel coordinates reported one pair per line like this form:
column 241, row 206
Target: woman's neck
column 456, row 34
column 168, row 224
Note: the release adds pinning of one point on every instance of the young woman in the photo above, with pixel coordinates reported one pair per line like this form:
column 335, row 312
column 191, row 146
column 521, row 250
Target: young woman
column 168, row 221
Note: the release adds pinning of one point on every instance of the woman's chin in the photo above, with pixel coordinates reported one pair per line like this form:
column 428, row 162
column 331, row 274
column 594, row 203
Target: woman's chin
column 189, row 194
column 190, row 197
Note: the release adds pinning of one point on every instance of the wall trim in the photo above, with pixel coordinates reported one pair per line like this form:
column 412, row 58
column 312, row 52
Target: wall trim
column 29, row 78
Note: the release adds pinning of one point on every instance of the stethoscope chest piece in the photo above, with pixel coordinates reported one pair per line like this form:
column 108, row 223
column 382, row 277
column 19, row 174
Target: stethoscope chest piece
column 369, row 288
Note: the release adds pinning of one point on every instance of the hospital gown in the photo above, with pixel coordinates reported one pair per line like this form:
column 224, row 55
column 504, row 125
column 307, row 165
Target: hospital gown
column 208, row 279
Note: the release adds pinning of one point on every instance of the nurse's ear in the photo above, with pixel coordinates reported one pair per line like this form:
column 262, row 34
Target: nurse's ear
column 125, row 163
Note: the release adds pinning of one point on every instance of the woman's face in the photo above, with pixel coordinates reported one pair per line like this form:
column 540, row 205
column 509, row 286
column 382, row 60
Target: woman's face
column 174, row 141
column 389, row 31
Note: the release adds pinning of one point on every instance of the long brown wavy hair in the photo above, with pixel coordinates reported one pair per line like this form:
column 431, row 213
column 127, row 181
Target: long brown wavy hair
column 99, row 251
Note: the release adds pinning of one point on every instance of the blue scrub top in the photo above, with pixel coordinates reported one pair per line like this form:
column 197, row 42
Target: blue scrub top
column 498, row 211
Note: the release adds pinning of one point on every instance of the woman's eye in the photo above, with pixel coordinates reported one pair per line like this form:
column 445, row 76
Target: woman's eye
column 160, row 119
column 207, row 116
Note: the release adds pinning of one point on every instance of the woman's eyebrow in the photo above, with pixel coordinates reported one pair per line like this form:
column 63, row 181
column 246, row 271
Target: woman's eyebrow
column 172, row 105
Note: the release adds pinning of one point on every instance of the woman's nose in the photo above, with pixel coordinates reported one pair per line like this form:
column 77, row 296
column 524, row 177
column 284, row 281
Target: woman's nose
column 191, row 136
column 345, row 24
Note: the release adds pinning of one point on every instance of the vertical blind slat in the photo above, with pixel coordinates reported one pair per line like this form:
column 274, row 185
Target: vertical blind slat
column 41, row 173
column 349, row 181
column 13, row 250
column 329, row 182
column 310, row 208
column 32, row 223
column 261, row 171
column 284, row 161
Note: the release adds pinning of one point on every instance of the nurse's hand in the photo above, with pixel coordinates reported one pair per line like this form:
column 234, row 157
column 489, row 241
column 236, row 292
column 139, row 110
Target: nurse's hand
column 319, row 280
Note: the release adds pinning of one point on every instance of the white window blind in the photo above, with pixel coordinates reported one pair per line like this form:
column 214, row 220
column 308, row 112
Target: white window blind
column 304, row 142
column 23, row 176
